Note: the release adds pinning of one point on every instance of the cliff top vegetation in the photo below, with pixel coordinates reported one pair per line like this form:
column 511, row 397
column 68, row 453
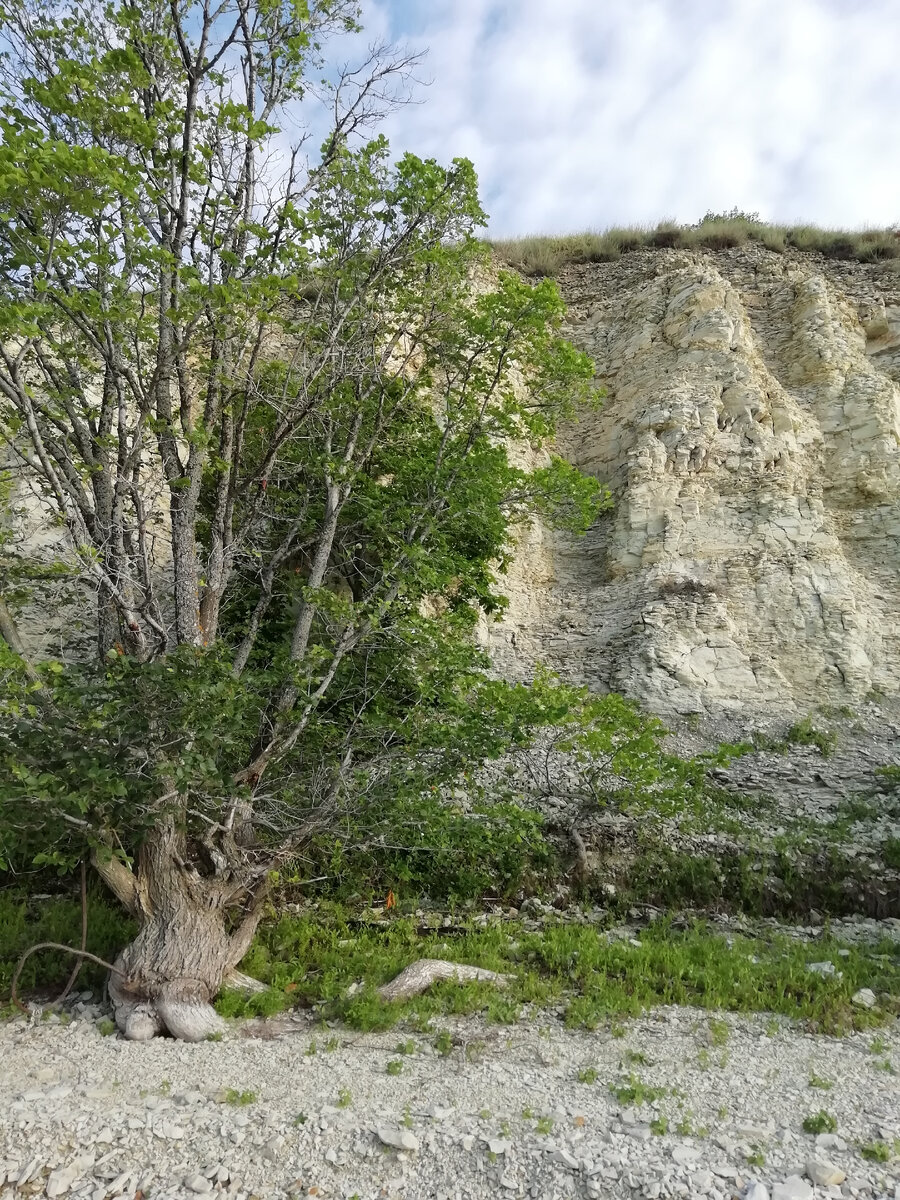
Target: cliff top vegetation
column 541, row 255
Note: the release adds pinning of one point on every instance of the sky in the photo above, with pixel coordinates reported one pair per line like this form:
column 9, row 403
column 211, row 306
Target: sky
column 582, row 114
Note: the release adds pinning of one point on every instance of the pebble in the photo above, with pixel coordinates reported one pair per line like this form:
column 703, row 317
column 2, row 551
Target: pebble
column 512, row 1121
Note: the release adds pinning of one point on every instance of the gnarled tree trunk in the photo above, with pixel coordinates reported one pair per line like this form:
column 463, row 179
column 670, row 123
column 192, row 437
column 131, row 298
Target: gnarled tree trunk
column 186, row 946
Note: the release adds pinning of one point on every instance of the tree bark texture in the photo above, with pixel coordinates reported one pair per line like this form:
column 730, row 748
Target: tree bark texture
column 166, row 979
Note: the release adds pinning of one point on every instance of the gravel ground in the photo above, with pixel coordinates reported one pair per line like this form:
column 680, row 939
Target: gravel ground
column 503, row 1114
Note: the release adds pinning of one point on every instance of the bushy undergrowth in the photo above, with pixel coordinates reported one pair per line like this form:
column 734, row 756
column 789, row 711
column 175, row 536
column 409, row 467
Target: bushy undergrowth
column 450, row 853
column 25, row 921
column 547, row 255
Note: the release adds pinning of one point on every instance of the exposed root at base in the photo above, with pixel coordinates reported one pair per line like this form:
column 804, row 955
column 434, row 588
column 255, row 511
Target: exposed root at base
column 419, row 976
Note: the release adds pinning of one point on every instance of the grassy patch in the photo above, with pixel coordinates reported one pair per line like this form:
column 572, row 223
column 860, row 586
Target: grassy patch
column 24, row 921
column 316, row 957
column 547, row 255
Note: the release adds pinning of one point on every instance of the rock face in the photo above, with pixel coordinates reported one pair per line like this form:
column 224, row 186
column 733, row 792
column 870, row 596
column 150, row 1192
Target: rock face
column 751, row 437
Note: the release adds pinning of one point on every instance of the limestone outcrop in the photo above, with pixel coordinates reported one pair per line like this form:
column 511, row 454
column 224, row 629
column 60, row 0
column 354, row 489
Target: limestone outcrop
column 751, row 437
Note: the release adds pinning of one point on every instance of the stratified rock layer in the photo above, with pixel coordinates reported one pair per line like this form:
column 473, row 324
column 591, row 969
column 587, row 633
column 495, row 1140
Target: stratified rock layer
column 751, row 437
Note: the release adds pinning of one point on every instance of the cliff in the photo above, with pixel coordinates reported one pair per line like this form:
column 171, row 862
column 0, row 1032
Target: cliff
column 751, row 437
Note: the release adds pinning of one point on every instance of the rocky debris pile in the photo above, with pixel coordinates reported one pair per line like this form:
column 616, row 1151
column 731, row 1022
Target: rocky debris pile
column 678, row 1104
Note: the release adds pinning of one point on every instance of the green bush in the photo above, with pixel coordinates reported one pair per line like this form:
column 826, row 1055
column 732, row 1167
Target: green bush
column 25, row 921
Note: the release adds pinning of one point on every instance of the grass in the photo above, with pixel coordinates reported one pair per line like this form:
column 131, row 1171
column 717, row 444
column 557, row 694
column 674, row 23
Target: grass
column 547, row 255
column 312, row 958
column 25, row 921
column 816, row 1081
column 880, row 1152
column 820, row 1122
column 634, row 1091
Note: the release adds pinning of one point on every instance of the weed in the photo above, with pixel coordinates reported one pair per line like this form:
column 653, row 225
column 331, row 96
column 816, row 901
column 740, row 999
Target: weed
column 877, row 1045
column 395, row 1066
column 106, row 1027
column 165, row 1087
column 301, row 1118
column 722, row 1112
column 660, row 1126
column 344, row 1097
column 505, row 1128
column 820, row 1122
column 485, row 1114
column 885, row 1064
column 816, row 1081
column 617, row 1030
column 703, row 1058
column 312, row 1049
column 637, row 1059
column 333, row 1044
column 544, row 1125
column 719, row 1032
column 215, row 1037
column 407, row 1121
column 890, row 852
column 475, row 1050
column 685, row 1126
column 408, row 1047
column 443, row 1042
column 772, row 1027
column 880, row 1151
column 635, row 1091
column 804, row 733
column 587, row 1075
column 755, row 1158
column 238, row 1099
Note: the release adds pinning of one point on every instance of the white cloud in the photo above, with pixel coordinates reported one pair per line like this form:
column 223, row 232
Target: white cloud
column 586, row 113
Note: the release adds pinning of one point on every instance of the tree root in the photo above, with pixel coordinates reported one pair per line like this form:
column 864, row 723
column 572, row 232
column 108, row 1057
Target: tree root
column 419, row 976
column 244, row 983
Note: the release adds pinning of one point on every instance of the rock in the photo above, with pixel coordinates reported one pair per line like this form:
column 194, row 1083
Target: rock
column 702, row 1181
column 756, row 1191
column 830, row 1141
column 794, row 1187
column 641, row 1133
column 563, row 1156
column 496, row 1145
column 400, row 1139
column 864, row 998
column 824, row 968
column 272, row 1149
column 62, row 1179
column 199, row 1184
column 685, row 1155
column 823, row 1173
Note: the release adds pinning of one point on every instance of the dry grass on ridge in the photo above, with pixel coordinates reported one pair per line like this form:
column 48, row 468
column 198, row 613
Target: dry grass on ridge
column 546, row 255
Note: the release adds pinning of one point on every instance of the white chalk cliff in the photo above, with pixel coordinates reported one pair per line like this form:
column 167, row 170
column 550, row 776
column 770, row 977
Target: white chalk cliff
column 751, row 438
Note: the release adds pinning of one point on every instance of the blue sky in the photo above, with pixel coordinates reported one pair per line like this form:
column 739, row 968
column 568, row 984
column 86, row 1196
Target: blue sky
column 587, row 113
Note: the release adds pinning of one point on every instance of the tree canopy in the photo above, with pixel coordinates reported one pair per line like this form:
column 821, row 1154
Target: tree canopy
column 269, row 406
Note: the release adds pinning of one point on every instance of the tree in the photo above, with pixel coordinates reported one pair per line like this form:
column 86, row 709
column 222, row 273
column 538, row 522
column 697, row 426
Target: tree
column 263, row 398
